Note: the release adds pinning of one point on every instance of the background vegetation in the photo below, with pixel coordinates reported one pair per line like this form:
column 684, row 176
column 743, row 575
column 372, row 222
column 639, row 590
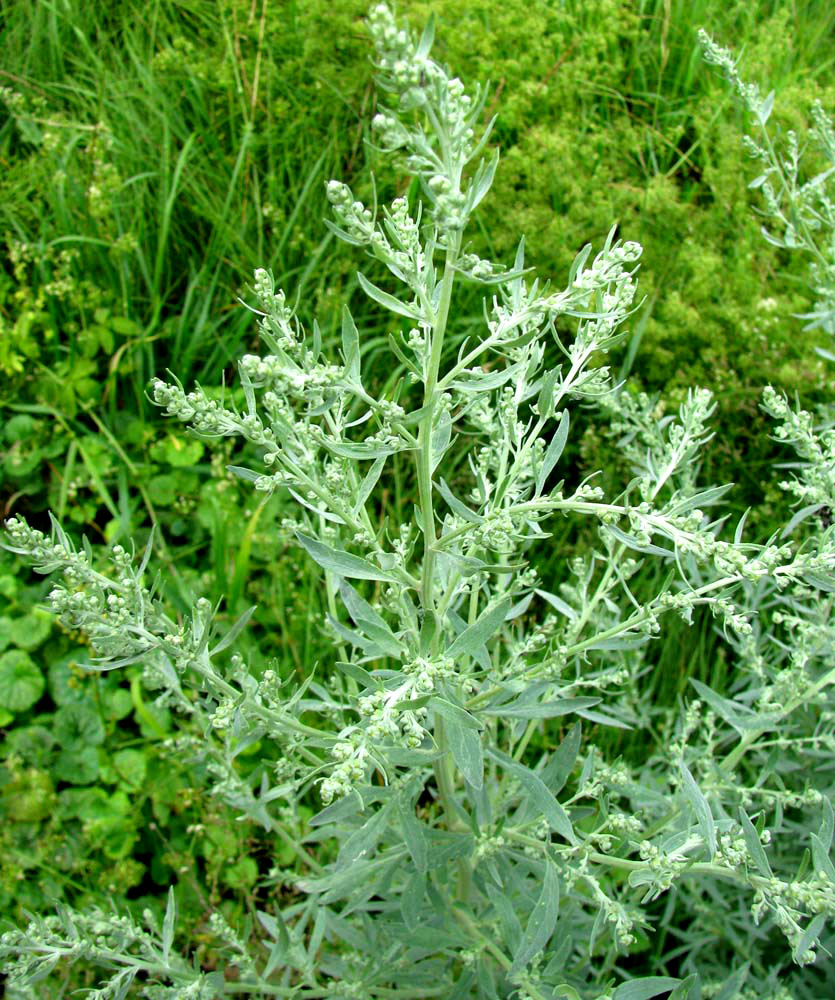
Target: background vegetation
column 153, row 154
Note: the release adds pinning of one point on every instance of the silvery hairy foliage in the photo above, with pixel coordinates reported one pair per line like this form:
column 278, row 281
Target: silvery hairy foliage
column 776, row 715
column 800, row 211
column 472, row 840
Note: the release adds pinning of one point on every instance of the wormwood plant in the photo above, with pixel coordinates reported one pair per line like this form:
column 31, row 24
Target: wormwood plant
column 470, row 841
column 800, row 212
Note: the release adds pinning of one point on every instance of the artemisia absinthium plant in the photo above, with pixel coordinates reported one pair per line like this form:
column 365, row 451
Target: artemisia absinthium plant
column 450, row 859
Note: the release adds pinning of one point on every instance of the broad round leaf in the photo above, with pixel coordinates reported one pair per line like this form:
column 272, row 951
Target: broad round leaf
column 5, row 627
column 21, row 682
column 65, row 685
column 116, row 703
column 31, row 629
column 79, row 766
column 77, row 726
column 131, row 766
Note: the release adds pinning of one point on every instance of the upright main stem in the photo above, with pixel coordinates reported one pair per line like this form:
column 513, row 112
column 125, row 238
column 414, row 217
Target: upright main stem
column 430, row 399
column 444, row 774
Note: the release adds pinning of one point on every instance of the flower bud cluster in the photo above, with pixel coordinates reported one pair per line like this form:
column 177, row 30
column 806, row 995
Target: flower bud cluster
column 206, row 415
column 309, row 384
column 401, row 67
column 356, row 220
column 428, row 671
column 386, row 723
column 352, row 761
column 114, row 943
column 391, row 134
column 715, row 55
column 497, row 532
column 47, row 554
column 272, row 302
column 663, row 869
column 440, row 155
column 476, row 267
column 488, row 845
column 814, row 481
column 450, row 209
column 789, row 903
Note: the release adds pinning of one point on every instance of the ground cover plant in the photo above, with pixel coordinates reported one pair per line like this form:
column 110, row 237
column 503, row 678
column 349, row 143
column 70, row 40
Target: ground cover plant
column 470, row 839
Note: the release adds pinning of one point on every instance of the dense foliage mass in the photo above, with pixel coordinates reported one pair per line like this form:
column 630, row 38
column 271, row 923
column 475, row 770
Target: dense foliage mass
column 467, row 783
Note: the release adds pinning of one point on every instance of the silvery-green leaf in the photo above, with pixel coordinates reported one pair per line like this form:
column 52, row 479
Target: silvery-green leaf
column 275, row 927
column 766, row 107
column 426, row 39
column 732, row 987
column 459, row 508
column 429, row 628
column 800, row 516
column 603, row 718
column 481, row 631
column 557, row 603
column 542, row 710
column 413, row 834
column 483, row 180
column 739, row 716
column 754, row 845
column 382, row 636
column 633, row 543
column 687, row 989
column 440, row 438
column 463, row 989
column 579, row 263
column 407, row 362
column 342, row 234
column 363, row 841
column 356, row 882
column 354, row 637
column 545, row 399
column 411, row 900
column 809, row 937
column 445, row 847
column 358, row 608
column 411, row 756
column 480, row 654
column 342, row 563
column 820, row 858
column 539, row 794
column 645, row 989
column 317, row 510
column 247, row 474
column 562, row 760
column 486, row 976
column 704, row 498
column 362, row 451
column 169, row 924
column 464, row 741
column 487, row 381
column 553, row 452
column 350, row 346
column 233, row 632
column 368, row 483
column 510, row 926
column 701, row 808
column 358, row 673
column 827, row 827
column 541, row 922
column 454, row 713
column 386, row 300
column 631, row 642
column 339, row 811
